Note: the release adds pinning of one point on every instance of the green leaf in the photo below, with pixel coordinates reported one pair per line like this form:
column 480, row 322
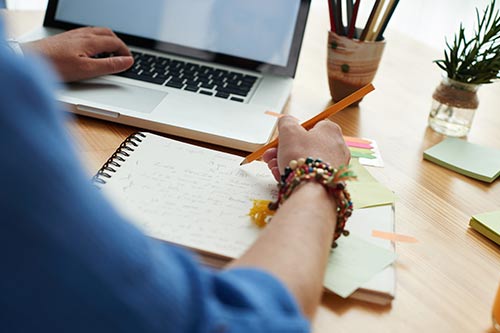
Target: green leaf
column 475, row 60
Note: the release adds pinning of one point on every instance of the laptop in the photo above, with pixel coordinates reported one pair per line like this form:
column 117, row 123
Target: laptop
column 208, row 70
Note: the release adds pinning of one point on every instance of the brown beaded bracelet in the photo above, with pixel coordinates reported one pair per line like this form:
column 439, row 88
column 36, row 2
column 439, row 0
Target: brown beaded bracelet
column 308, row 169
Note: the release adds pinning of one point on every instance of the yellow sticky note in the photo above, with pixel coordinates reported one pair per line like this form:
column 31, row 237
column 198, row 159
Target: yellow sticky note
column 487, row 224
column 366, row 191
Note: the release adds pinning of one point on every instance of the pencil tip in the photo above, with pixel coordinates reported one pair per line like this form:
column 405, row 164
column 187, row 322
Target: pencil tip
column 244, row 162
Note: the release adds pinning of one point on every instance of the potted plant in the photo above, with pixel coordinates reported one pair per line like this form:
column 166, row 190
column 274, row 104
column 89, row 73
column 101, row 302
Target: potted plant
column 468, row 63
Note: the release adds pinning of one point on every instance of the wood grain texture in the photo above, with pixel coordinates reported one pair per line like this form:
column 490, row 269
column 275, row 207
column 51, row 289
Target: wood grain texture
column 447, row 281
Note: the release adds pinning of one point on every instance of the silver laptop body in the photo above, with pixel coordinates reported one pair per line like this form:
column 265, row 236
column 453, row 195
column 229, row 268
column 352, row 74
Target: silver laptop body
column 237, row 60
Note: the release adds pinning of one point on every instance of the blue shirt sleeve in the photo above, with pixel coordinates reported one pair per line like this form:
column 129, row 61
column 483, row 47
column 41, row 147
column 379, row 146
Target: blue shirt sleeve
column 70, row 263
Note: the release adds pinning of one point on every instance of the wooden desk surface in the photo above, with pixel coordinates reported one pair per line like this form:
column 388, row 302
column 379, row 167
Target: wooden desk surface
column 446, row 282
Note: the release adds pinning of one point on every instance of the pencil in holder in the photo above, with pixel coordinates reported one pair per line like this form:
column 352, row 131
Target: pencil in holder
column 351, row 64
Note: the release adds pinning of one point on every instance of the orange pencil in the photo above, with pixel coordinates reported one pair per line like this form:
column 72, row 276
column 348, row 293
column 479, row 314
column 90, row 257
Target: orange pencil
column 342, row 104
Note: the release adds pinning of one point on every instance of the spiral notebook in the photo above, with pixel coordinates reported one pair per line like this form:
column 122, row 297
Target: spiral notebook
column 199, row 198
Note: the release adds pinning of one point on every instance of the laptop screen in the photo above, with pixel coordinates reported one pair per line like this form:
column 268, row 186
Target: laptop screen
column 258, row 34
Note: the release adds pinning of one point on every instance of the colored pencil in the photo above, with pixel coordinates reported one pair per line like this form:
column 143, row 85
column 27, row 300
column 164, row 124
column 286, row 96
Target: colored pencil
column 342, row 104
column 387, row 17
column 370, row 20
column 332, row 17
column 349, row 10
column 352, row 22
column 338, row 17
column 371, row 30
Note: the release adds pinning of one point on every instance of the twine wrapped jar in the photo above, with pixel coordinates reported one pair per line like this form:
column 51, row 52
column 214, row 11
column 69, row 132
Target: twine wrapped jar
column 454, row 105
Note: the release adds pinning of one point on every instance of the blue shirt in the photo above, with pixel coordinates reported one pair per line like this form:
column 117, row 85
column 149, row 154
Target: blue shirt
column 69, row 263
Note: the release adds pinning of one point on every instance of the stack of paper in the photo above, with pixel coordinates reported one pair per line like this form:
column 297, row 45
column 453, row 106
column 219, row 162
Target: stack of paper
column 487, row 224
column 472, row 160
column 364, row 268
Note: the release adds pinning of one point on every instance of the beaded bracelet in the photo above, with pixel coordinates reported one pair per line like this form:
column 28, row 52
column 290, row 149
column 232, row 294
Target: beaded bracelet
column 307, row 169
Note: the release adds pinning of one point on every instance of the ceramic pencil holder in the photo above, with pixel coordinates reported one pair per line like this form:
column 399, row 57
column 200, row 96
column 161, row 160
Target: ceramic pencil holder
column 351, row 64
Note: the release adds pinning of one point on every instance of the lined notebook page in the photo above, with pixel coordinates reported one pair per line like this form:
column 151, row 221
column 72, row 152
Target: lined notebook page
column 189, row 195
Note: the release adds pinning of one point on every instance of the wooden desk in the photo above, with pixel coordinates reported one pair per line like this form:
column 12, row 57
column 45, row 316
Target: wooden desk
column 446, row 282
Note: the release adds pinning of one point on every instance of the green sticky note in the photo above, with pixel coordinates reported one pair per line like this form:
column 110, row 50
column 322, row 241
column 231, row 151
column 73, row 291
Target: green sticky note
column 353, row 263
column 356, row 154
column 472, row 160
column 487, row 224
column 361, row 150
column 366, row 191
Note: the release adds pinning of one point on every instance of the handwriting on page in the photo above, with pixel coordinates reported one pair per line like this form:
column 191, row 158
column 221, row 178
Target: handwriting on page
column 191, row 196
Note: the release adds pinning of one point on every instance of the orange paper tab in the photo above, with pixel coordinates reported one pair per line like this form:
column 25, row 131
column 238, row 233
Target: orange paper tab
column 393, row 237
column 274, row 114
column 357, row 140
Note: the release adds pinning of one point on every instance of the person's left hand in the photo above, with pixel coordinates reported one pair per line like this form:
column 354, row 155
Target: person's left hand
column 73, row 53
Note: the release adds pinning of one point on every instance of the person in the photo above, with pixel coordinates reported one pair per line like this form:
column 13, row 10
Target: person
column 70, row 263
column 73, row 53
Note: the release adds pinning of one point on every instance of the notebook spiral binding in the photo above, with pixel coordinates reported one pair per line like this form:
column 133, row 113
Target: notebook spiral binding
column 119, row 156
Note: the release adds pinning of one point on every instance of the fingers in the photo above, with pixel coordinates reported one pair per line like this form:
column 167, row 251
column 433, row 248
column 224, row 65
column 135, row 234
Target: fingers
column 271, row 158
column 107, row 44
column 98, row 67
column 273, row 166
column 276, row 173
column 100, row 31
column 100, row 40
column 270, row 154
column 272, row 163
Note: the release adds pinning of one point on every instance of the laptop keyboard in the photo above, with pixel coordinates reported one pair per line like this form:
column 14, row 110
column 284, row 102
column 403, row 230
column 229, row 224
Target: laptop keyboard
column 190, row 77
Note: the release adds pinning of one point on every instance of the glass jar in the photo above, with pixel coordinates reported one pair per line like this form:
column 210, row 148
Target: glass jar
column 453, row 107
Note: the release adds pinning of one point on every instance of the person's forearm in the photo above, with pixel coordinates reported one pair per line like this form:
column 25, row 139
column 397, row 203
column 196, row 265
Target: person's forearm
column 295, row 245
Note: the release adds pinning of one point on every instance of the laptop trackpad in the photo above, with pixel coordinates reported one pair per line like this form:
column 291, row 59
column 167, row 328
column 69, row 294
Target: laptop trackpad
column 116, row 95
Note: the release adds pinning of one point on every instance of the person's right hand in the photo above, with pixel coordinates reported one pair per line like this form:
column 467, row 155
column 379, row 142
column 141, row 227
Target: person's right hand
column 324, row 141
column 73, row 52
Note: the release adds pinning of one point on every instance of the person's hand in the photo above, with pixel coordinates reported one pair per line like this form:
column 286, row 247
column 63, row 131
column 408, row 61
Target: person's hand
column 324, row 141
column 73, row 52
